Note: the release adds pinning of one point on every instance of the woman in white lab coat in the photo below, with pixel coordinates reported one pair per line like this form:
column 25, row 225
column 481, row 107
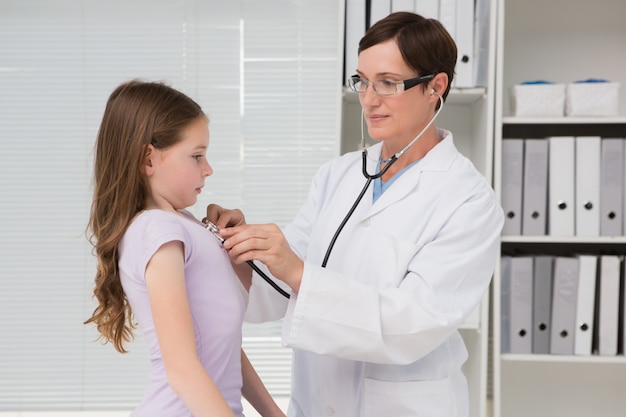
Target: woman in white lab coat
column 374, row 332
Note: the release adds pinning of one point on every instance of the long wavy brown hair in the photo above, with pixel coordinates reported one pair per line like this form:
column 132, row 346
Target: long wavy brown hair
column 137, row 114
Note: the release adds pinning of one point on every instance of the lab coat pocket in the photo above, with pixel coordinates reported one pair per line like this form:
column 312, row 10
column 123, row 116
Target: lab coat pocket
column 387, row 262
column 408, row 399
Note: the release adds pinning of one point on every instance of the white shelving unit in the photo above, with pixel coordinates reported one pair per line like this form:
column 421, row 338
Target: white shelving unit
column 468, row 114
column 560, row 41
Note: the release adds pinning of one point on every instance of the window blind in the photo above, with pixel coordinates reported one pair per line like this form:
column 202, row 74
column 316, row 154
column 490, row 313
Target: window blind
column 267, row 73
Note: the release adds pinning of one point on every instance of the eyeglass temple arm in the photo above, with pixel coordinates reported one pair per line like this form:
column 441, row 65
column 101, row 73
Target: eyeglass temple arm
column 416, row 81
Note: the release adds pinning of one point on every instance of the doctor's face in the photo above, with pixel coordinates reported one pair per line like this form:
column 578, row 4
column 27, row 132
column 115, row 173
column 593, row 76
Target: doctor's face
column 398, row 117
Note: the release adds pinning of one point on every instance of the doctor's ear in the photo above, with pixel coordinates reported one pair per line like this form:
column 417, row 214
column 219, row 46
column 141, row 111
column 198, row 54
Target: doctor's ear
column 439, row 84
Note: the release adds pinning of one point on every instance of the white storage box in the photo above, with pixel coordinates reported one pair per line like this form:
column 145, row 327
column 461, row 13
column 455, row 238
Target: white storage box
column 592, row 99
column 538, row 99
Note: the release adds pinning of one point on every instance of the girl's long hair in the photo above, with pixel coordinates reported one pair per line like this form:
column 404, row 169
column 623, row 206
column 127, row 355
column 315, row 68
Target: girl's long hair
column 137, row 114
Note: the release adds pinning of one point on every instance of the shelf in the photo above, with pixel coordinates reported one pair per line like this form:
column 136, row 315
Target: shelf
column 470, row 326
column 545, row 127
column 547, row 45
column 563, row 246
column 456, row 95
column 595, row 359
column 563, row 120
column 466, row 95
column 603, row 240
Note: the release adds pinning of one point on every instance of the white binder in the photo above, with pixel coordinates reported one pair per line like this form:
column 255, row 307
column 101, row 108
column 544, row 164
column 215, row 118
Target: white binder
column 447, row 16
column 512, row 183
column 561, row 176
column 585, row 304
column 564, row 305
column 464, row 37
column 624, row 203
column 505, row 304
column 483, row 31
column 588, row 185
column 535, row 194
column 542, row 303
column 403, row 5
column 608, row 305
column 521, row 314
column 354, row 31
column 611, row 187
column 378, row 10
column 623, row 306
column 427, row 8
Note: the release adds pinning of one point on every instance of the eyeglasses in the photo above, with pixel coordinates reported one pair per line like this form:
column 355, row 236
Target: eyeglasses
column 386, row 87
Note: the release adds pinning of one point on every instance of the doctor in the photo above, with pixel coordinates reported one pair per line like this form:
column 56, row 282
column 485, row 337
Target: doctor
column 374, row 331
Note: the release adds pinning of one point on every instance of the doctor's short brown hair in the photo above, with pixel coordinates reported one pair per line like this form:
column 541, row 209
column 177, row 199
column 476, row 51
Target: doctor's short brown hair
column 425, row 44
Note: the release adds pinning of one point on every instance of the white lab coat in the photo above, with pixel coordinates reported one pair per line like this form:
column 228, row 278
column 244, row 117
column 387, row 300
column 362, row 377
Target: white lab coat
column 375, row 332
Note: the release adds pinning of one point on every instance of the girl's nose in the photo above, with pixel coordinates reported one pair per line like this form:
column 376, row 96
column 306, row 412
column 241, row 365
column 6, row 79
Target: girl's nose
column 207, row 170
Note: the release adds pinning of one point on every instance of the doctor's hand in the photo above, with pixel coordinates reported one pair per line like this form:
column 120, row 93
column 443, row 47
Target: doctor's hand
column 267, row 244
column 223, row 217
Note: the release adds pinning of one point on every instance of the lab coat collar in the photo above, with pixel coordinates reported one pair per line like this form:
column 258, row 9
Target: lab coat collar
column 439, row 158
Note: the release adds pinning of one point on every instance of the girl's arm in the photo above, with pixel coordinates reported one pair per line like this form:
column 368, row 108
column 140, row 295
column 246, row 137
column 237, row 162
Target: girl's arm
column 255, row 392
column 165, row 280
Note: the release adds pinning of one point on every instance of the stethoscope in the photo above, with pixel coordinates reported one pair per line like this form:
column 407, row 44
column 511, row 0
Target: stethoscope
column 211, row 227
column 369, row 178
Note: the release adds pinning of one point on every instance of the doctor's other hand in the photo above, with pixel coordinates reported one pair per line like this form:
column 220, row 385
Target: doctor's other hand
column 223, row 217
column 267, row 244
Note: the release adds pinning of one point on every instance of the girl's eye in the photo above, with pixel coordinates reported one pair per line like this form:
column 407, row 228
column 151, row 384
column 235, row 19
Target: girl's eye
column 197, row 157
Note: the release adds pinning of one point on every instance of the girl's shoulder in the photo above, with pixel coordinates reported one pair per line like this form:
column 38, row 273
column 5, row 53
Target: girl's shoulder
column 163, row 217
column 156, row 223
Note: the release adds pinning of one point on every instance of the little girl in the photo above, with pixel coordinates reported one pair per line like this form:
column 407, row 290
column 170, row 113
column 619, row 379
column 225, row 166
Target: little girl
column 158, row 265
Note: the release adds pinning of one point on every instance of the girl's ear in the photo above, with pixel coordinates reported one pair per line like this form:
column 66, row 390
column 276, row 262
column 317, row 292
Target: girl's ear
column 148, row 163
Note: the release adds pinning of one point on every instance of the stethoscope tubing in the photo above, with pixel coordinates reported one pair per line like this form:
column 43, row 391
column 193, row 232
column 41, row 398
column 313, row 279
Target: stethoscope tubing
column 215, row 230
column 268, row 279
column 369, row 177
column 356, row 202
